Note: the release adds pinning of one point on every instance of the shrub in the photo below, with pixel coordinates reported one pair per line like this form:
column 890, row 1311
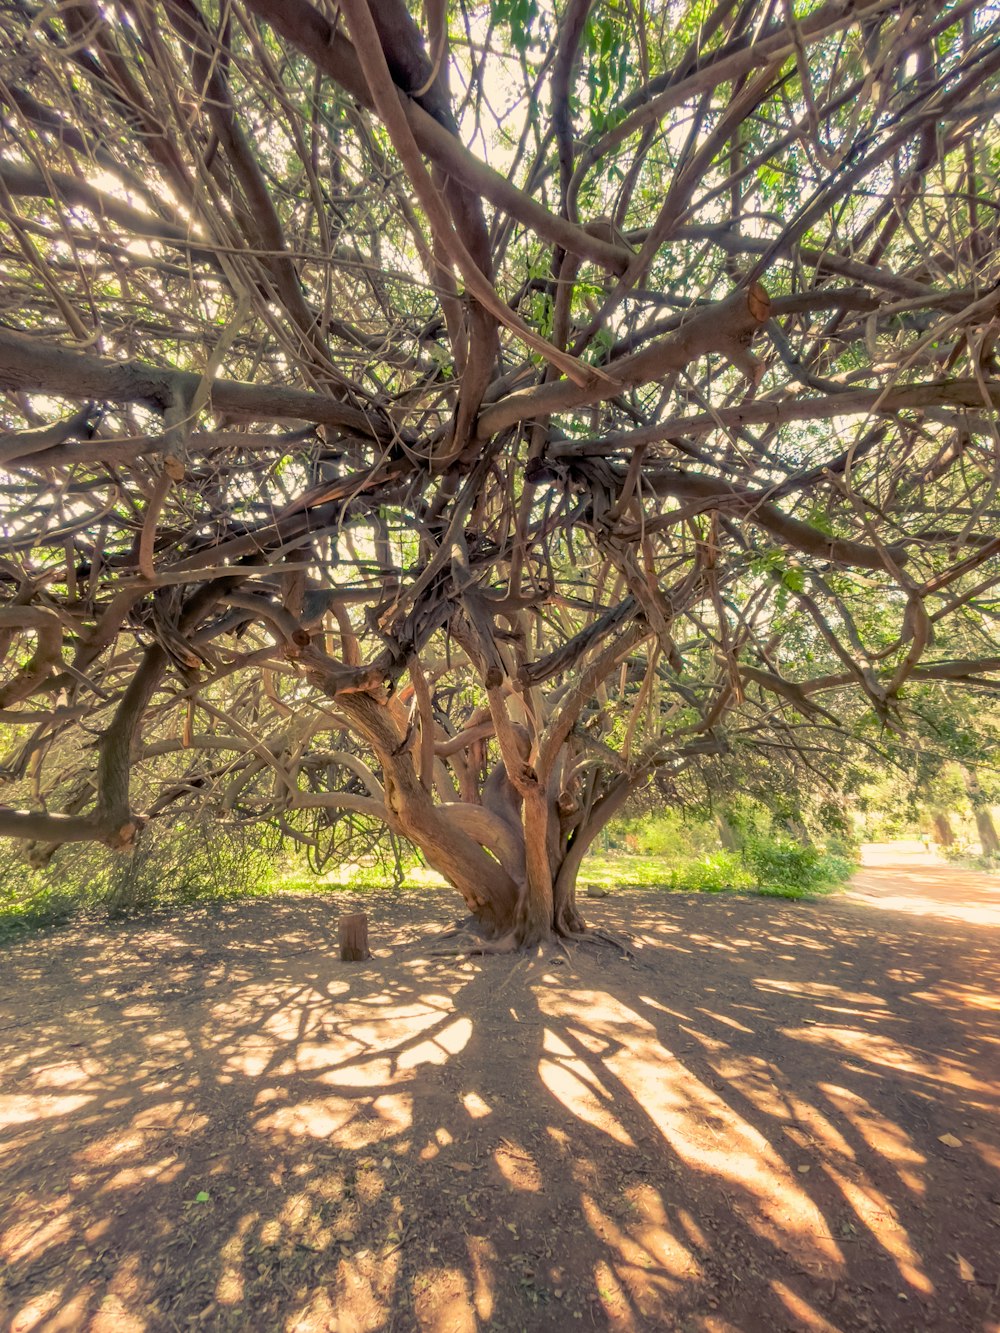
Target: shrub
column 778, row 865
column 187, row 862
column 182, row 863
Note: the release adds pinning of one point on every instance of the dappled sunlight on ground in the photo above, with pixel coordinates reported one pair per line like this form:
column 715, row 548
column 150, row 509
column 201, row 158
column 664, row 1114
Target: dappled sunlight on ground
column 779, row 1115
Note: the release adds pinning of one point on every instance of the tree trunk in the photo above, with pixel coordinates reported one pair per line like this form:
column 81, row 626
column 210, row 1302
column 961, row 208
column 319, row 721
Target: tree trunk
column 535, row 908
column 727, row 834
column 515, row 856
column 489, row 890
column 943, row 832
column 988, row 837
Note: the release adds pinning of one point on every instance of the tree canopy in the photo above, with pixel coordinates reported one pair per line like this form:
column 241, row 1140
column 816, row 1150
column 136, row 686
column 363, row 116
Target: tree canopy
column 451, row 415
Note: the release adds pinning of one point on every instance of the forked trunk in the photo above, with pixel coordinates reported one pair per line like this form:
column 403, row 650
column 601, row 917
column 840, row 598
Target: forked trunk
column 535, row 899
column 515, row 854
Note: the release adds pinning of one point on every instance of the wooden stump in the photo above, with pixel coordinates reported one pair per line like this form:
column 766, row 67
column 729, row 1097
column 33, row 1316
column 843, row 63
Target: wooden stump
column 354, row 938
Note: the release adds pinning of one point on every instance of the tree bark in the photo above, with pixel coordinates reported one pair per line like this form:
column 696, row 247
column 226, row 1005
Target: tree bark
column 988, row 837
column 489, row 890
column 353, row 931
column 727, row 834
column 944, row 833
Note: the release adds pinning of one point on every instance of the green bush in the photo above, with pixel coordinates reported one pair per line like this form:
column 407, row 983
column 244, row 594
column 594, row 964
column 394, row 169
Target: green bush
column 27, row 900
column 960, row 854
column 785, row 867
column 772, row 867
column 681, row 851
column 671, row 834
column 188, row 862
column 185, row 862
column 36, row 898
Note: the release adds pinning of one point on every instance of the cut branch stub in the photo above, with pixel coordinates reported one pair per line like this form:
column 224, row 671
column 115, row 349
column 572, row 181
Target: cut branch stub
column 353, row 932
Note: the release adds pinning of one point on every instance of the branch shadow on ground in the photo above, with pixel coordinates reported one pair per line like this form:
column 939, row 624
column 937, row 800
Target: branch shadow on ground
column 213, row 1122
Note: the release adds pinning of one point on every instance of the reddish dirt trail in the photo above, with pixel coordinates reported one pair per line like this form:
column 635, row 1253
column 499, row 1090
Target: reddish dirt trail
column 904, row 877
column 209, row 1122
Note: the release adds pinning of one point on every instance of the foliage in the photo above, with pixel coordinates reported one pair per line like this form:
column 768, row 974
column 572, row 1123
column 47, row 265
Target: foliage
column 774, row 869
column 714, row 873
column 188, row 862
column 782, row 866
column 683, row 852
column 193, row 860
column 675, row 834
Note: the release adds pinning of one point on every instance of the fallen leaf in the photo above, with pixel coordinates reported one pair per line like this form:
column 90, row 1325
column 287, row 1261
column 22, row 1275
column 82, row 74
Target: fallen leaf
column 965, row 1270
column 949, row 1141
column 460, row 1166
column 202, row 1196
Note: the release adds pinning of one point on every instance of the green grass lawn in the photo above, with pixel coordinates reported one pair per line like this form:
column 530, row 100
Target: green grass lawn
column 718, row 872
column 631, row 871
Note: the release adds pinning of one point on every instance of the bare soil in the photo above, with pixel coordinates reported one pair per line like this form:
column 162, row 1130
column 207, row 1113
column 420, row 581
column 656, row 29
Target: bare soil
column 777, row 1116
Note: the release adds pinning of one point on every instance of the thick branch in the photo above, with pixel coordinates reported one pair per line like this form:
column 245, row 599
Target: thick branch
column 727, row 327
column 37, row 364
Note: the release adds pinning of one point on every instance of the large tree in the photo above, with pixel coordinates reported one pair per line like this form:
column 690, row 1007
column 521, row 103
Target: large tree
column 450, row 415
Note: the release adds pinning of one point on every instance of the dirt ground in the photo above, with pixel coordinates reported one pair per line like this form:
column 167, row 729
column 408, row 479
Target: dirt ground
column 778, row 1116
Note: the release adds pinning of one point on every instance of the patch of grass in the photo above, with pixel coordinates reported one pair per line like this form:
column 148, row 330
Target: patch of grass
column 772, row 870
column 359, row 878
column 625, row 871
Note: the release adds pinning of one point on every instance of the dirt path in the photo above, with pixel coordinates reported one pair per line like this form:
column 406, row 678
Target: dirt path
column 780, row 1116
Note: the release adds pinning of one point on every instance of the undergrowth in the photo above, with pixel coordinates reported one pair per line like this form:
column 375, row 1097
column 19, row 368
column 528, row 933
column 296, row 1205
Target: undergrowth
column 787, row 871
column 190, row 862
column 682, row 852
column 201, row 861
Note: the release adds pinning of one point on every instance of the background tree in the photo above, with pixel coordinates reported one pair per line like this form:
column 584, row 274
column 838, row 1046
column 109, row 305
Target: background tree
column 452, row 415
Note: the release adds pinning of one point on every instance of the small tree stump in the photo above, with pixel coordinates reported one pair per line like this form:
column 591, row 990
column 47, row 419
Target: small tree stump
column 354, row 938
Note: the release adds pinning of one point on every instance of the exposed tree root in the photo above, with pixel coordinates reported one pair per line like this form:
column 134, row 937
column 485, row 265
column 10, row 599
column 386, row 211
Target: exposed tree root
column 468, row 938
column 600, row 938
column 477, row 947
